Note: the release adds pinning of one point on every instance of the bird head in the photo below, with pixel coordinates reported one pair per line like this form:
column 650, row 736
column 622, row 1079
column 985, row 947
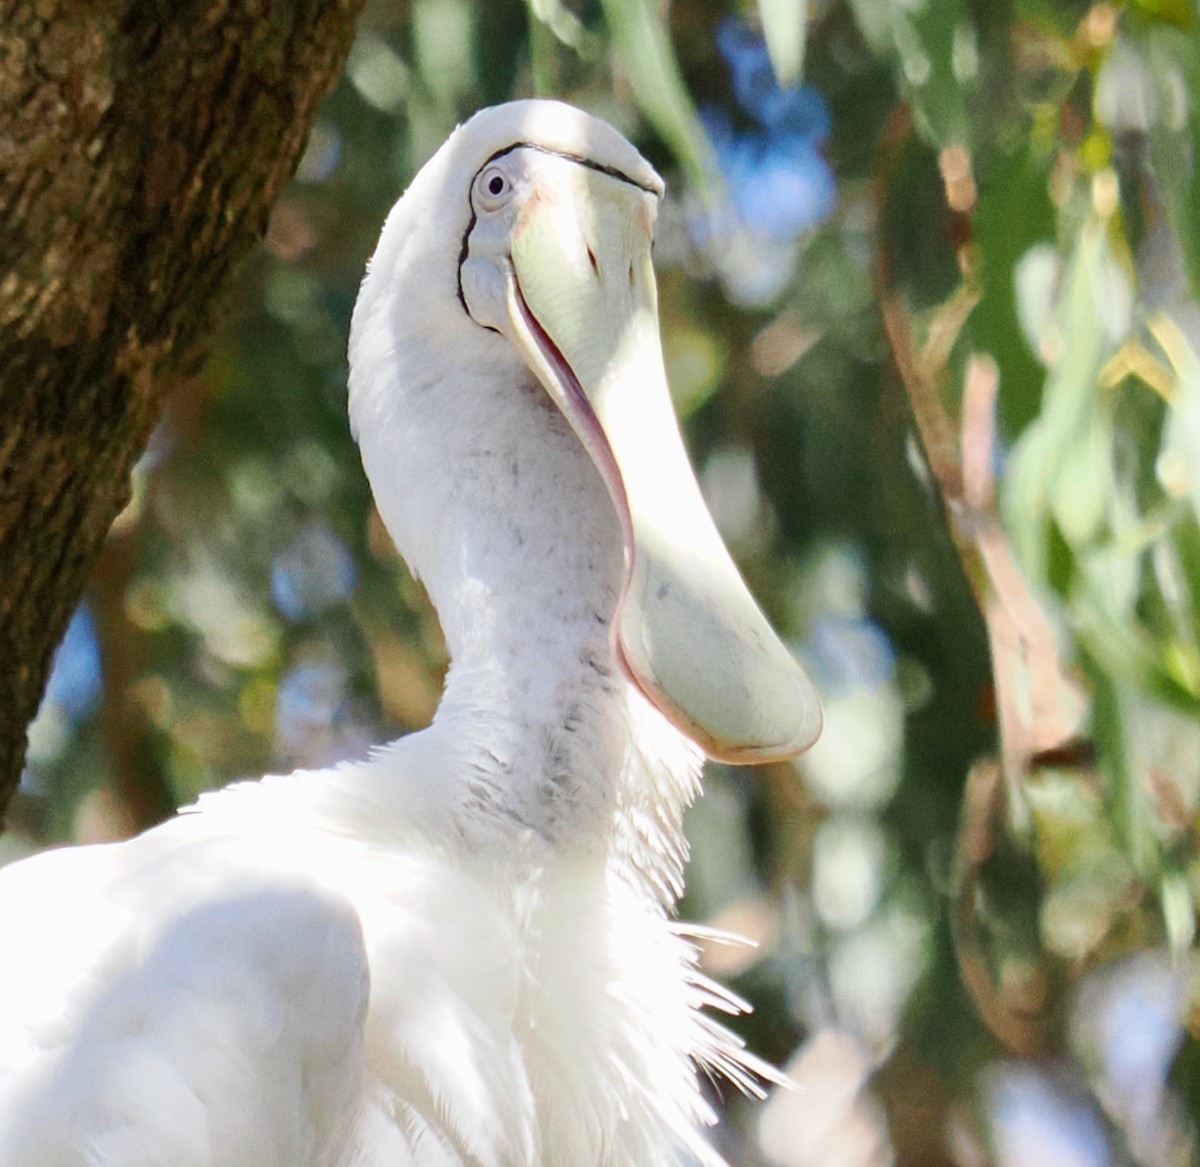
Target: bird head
column 532, row 228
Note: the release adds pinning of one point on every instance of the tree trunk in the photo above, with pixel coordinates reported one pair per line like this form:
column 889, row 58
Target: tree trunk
column 142, row 144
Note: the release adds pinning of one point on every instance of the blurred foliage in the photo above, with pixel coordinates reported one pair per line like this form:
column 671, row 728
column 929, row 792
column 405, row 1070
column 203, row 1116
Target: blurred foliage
column 931, row 318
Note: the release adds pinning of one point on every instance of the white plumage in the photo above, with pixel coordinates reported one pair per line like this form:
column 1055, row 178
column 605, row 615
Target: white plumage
column 458, row 951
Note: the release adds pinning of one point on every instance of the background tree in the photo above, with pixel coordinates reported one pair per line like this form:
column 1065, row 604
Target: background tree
column 141, row 150
column 931, row 319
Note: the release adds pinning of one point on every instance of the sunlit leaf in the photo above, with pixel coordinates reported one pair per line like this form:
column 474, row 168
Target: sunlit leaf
column 1061, row 470
column 785, row 27
column 442, row 34
column 1177, row 469
column 1179, row 910
column 565, row 25
column 1119, row 648
column 645, row 49
column 1178, row 463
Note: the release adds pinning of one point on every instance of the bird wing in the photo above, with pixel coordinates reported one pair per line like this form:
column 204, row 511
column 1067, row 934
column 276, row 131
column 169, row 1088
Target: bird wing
column 243, row 987
column 169, row 1004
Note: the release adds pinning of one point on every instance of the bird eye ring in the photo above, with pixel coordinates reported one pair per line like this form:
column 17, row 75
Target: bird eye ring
column 493, row 188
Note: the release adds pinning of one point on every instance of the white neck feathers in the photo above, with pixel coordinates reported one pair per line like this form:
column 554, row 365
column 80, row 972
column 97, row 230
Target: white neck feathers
column 497, row 507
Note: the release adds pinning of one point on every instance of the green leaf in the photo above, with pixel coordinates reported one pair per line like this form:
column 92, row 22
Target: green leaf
column 564, row 24
column 785, row 27
column 1177, row 468
column 1185, row 558
column 1061, row 470
column 1178, row 465
column 1114, row 708
column 1014, row 214
column 1180, row 12
column 644, row 46
column 936, row 55
column 1179, row 910
column 1081, row 498
column 1121, row 650
column 1173, row 60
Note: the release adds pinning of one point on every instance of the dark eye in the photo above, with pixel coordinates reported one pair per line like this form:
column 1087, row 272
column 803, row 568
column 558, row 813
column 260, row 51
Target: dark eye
column 493, row 187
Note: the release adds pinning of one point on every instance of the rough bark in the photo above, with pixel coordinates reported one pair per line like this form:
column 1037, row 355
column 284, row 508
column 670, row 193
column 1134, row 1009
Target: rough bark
column 141, row 146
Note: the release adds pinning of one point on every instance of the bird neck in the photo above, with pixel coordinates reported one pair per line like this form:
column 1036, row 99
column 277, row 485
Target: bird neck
column 559, row 745
column 539, row 736
column 564, row 765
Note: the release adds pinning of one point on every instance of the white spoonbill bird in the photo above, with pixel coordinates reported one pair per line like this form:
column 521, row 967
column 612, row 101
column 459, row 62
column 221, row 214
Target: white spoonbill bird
column 458, row 952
